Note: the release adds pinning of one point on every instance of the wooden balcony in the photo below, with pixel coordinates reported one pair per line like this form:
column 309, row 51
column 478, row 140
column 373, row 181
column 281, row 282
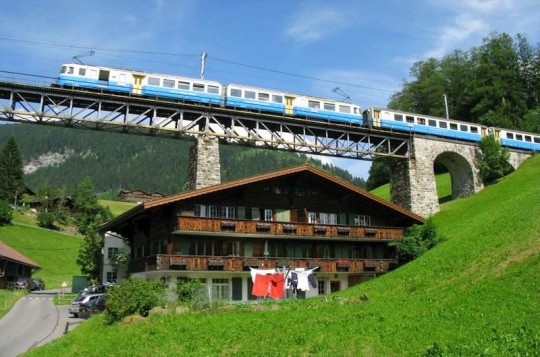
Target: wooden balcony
column 164, row 262
column 285, row 229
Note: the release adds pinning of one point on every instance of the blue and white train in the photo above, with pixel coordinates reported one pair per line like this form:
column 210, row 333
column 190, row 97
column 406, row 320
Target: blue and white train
column 273, row 101
column 448, row 128
column 208, row 92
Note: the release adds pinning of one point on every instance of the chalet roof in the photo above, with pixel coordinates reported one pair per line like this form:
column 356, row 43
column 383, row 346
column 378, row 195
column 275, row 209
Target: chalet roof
column 8, row 253
column 259, row 178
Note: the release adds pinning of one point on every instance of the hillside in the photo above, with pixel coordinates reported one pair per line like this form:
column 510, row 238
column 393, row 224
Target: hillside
column 62, row 157
column 477, row 293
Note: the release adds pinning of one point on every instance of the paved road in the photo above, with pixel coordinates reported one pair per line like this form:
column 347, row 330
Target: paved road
column 33, row 321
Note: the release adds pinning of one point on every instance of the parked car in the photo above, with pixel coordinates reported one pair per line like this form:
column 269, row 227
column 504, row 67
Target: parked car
column 21, row 283
column 93, row 306
column 75, row 306
column 93, row 289
column 36, row 284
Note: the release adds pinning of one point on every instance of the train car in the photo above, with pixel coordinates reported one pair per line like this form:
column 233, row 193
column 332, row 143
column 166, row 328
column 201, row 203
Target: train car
column 517, row 139
column 245, row 97
column 423, row 124
column 78, row 75
column 327, row 109
column 190, row 89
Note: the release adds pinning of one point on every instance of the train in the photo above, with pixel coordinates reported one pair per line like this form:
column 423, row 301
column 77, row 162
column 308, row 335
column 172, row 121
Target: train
column 236, row 96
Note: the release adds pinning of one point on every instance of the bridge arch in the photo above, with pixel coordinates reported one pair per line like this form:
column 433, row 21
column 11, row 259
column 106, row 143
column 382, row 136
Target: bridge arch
column 412, row 182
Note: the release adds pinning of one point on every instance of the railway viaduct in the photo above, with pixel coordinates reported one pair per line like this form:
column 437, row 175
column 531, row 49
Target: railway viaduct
column 412, row 180
column 412, row 170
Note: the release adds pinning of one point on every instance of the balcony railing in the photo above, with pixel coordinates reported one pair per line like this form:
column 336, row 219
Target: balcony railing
column 239, row 226
column 164, row 262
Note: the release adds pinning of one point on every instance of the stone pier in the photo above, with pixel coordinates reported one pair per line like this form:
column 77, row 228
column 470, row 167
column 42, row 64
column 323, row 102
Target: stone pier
column 204, row 168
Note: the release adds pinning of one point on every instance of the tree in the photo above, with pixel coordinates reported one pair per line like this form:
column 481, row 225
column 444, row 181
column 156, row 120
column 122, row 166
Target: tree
column 493, row 159
column 90, row 257
column 11, row 172
column 6, row 213
column 89, row 214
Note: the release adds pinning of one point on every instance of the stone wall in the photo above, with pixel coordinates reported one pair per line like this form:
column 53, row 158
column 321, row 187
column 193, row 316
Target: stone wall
column 204, row 168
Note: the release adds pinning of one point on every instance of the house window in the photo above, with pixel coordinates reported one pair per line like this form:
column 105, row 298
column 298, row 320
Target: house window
column 200, row 211
column 322, row 287
column 227, row 212
column 111, row 252
column 332, row 218
column 220, row 289
column 312, row 217
column 212, row 211
column 323, row 218
column 362, row 220
column 111, row 277
column 268, row 215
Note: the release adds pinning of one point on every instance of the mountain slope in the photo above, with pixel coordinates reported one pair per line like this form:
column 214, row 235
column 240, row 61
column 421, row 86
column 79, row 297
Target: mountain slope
column 475, row 294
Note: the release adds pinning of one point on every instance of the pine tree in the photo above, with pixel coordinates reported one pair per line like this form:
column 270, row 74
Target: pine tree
column 11, row 172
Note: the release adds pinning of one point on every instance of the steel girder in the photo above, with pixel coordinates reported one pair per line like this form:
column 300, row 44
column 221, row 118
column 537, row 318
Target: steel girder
column 130, row 114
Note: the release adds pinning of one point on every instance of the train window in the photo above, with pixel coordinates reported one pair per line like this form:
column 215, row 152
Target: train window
column 356, row 109
column 344, row 109
column 329, row 106
column 421, row 121
column 153, row 81
column 443, row 125
column 168, row 83
column 409, row 119
column 313, row 104
column 198, row 87
column 509, row 136
column 265, row 97
column 213, row 89
column 474, row 129
column 432, row 122
column 398, row 117
column 236, row 92
column 70, row 70
column 82, row 72
column 183, row 85
column 249, row 94
column 277, row 98
column 453, row 126
column 463, row 127
column 537, row 139
column 519, row 137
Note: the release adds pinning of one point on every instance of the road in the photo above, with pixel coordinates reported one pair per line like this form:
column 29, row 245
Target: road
column 33, row 321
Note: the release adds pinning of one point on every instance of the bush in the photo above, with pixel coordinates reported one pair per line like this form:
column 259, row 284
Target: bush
column 6, row 213
column 493, row 159
column 193, row 293
column 132, row 296
column 418, row 240
column 46, row 220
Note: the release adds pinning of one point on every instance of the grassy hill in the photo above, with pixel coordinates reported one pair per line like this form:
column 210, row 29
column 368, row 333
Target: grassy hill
column 444, row 188
column 477, row 293
column 54, row 251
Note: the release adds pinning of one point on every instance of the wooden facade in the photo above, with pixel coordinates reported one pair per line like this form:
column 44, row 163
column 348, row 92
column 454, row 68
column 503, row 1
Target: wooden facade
column 299, row 217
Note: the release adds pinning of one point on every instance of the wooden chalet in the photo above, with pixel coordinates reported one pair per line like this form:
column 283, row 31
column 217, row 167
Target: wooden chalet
column 298, row 217
column 13, row 265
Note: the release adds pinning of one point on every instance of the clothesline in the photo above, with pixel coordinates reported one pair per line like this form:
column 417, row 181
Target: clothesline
column 273, row 282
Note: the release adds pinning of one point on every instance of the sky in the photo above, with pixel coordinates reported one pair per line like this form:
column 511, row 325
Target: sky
column 364, row 48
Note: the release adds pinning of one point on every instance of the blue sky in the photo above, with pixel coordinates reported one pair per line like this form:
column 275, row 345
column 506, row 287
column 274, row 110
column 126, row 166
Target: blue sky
column 366, row 48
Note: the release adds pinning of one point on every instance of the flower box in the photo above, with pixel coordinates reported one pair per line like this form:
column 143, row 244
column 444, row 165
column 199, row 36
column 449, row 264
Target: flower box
column 320, row 229
column 289, row 228
column 263, row 226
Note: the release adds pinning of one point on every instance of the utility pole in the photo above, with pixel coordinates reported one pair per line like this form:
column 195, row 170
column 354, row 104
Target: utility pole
column 446, row 106
column 203, row 62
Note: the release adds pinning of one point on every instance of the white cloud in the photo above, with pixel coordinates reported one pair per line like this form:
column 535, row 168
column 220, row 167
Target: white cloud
column 314, row 22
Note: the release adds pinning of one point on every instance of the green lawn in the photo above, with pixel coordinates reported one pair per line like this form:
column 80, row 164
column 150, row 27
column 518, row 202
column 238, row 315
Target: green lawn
column 477, row 293
column 117, row 207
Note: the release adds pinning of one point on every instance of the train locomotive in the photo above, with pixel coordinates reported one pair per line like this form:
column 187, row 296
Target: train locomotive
column 237, row 96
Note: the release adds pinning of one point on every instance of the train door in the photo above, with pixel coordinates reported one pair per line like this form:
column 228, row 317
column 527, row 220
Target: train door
column 289, row 105
column 137, row 84
column 104, row 76
column 376, row 117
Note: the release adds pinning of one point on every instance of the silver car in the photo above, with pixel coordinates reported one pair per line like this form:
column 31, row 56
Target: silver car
column 80, row 300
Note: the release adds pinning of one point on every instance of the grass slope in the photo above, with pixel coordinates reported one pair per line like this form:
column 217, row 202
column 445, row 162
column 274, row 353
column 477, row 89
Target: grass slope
column 54, row 252
column 477, row 293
